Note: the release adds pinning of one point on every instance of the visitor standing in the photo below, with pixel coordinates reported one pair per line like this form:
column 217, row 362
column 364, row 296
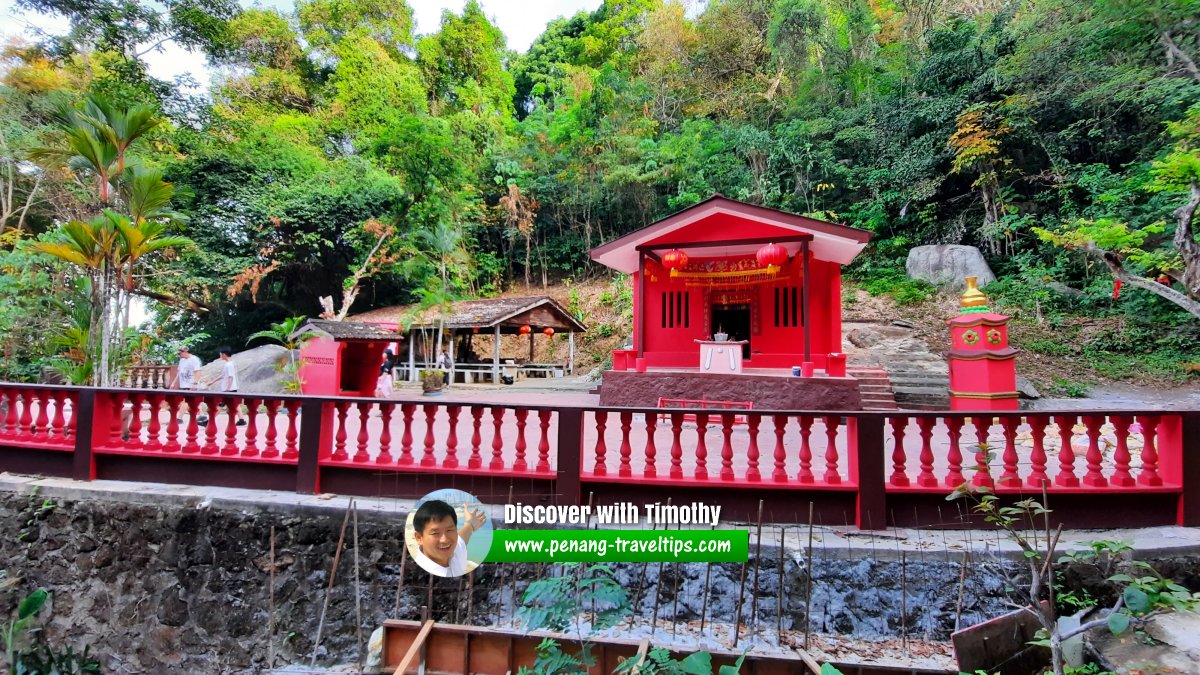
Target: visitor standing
column 229, row 377
column 445, row 364
column 383, row 388
column 185, row 373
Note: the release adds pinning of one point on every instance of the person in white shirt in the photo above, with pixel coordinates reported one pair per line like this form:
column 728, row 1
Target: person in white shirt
column 229, row 377
column 441, row 544
column 185, row 374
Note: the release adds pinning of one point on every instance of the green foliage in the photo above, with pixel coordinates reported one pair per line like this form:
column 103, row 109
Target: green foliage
column 555, row 602
column 1070, row 388
column 1037, row 132
column 38, row 657
column 896, row 284
column 659, row 661
column 550, row 659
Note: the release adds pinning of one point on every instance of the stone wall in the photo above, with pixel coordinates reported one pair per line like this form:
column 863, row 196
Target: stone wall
column 162, row 582
column 183, row 588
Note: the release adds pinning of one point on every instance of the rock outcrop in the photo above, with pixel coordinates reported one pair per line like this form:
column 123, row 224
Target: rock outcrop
column 947, row 265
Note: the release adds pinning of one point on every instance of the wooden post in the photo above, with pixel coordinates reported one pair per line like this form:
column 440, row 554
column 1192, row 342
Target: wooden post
column 1189, row 441
column 412, row 361
column 571, row 352
column 496, row 357
column 639, row 302
column 84, row 462
column 570, row 456
column 452, row 352
column 867, row 453
column 1176, row 434
column 312, row 429
column 531, row 346
column 804, row 284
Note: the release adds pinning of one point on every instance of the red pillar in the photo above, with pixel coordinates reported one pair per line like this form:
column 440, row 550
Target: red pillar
column 983, row 368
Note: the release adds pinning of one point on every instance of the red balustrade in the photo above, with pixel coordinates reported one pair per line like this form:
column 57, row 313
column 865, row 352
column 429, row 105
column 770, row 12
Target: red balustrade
column 451, row 460
column 599, row 466
column 476, row 460
column 913, row 452
column 37, row 417
column 899, row 459
column 543, row 463
column 1010, row 477
column 385, row 435
column 651, row 452
column 1149, row 474
column 806, row 455
column 752, row 473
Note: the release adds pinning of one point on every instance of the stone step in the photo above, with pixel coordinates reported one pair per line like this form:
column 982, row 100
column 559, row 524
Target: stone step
column 908, row 405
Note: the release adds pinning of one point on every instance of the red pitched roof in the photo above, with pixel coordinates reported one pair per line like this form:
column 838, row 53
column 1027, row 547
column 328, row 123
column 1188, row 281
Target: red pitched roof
column 832, row 242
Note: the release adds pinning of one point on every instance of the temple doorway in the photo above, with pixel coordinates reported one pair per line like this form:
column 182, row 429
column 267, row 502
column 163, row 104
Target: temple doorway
column 733, row 320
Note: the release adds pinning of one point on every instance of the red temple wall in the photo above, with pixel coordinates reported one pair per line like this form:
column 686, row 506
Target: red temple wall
column 671, row 334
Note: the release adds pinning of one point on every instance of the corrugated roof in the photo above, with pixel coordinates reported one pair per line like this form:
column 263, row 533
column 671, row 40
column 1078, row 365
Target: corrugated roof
column 484, row 313
column 349, row 330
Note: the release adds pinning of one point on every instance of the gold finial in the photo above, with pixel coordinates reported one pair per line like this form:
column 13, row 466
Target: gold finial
column 973, row 300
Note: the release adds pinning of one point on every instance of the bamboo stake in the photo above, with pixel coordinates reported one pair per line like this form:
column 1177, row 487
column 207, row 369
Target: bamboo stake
column 637, row 603
column 503, row 570
column 779, row 593
column 337, row 556
column 962, row 582
column 737, row 617
column 675, row 599
column 357, row 593
column 429, row 598
column 904, row 600
column 403, row 563
column 704, row 602
column 470, row 595
column 808, row 583
column 757, row 566
column 271, row 608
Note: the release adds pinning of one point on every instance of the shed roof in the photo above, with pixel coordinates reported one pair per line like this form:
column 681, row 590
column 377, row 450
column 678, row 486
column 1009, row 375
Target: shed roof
column 349, row 330
column 832, row 242
column 541, row 311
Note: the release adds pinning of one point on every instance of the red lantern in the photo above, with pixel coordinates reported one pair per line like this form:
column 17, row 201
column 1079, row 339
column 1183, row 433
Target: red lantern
column 1117, row 283
column 525, row 330
column 675, row 260
column 651, row 270
column 772, row 256
column 548, row 331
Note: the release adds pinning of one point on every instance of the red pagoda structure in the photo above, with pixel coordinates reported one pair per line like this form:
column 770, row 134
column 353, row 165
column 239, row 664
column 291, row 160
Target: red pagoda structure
column 734, row 302
column 983, row 367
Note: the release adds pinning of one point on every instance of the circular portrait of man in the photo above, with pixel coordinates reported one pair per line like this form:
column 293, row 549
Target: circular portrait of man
column 448, row 533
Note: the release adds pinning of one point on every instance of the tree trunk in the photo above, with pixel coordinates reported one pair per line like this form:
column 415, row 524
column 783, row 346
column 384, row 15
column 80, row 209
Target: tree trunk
column 1185, row 242
column 1118, row 270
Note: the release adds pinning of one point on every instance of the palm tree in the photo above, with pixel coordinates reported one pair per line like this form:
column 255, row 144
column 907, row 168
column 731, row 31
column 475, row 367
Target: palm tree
column 287, row 333
column 109, row 248
column 96, row 138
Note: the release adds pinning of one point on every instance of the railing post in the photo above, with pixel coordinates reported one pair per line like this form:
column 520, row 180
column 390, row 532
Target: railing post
column 312, row 433
column 1179, row 462
column 83, row 465
column 570, row 455
column 866, row 447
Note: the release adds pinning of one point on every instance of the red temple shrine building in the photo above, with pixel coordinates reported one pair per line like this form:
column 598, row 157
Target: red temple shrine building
column 727, row 289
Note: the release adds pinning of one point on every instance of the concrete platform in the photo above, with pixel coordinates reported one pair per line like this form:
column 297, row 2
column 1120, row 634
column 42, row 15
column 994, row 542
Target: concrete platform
column 926, row 544
column 767, row 389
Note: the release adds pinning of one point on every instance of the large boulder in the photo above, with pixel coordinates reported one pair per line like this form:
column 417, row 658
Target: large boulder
column 259, row 370
column 947, row 265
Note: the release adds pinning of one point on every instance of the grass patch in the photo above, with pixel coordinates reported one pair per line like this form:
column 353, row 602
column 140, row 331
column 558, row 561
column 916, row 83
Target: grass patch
column 895, row 284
